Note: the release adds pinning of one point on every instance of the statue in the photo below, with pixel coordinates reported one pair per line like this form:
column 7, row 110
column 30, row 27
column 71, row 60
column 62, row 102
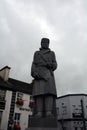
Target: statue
column 44, row 89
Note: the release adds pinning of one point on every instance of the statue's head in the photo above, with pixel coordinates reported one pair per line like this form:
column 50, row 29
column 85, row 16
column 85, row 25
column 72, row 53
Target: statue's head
column 45, row 43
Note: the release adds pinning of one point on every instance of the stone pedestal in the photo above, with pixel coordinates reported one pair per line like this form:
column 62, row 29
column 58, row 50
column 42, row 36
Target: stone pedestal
column 40, row 128
column 45, row 123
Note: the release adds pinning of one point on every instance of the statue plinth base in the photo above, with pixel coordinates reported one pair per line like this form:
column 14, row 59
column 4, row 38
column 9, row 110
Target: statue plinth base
column 41, row 128
column 45, row 123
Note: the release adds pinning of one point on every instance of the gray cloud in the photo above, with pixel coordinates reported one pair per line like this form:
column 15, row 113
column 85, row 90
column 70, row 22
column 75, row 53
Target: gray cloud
column 22, row 25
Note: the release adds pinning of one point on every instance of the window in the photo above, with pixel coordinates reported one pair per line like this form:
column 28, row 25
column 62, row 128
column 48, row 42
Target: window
column 2, row 94
column 17, row 118
column 62, row 103
column 76, row 128
column 0, row 117
column 19, row 95
column 64, row 128
column 81, row 122
column 28, row 120
column 64, row 110
column 57, row 111
column 79, row 105
column 2, row 99
column 73, row 105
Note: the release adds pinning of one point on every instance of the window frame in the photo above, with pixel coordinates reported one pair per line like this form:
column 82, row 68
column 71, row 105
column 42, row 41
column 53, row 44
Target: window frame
column 17, row 117
column 2, row 95
column 19, row 95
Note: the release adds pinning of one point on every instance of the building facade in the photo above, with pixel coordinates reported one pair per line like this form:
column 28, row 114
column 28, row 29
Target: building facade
column 14, row 102
column 72, row 112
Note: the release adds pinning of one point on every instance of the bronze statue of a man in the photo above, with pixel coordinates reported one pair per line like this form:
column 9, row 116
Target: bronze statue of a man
column 44, row 89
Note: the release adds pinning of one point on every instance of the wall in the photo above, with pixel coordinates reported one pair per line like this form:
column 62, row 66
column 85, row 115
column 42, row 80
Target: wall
column 64, row 107
column 5, row 114
column 73, row 104
column 25, row 111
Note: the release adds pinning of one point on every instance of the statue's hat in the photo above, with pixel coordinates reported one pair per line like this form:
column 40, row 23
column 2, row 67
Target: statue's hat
column 45, row 40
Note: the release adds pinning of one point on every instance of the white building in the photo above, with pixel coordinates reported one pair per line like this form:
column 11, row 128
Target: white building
column 72, row 112
column 14, row 101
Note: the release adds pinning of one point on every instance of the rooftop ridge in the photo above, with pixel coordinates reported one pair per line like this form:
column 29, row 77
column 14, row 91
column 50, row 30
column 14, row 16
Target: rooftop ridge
column 75, row 94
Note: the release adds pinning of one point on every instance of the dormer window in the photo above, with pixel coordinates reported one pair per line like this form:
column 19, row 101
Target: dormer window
column 2, row 95
column 19, row 95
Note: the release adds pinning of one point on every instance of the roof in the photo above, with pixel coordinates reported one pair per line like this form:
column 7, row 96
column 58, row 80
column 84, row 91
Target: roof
column 79, row 94
column 16, row 85
column 5, row 68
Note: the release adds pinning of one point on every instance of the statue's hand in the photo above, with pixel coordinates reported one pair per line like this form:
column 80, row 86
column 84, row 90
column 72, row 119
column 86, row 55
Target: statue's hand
column 37, row 76
column 49, row 65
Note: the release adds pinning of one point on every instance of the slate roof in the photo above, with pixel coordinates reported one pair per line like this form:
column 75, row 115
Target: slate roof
column 16, row 85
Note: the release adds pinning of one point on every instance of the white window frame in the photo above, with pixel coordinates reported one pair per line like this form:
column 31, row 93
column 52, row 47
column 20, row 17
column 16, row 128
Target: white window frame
column 19, row 95
column 17, row 117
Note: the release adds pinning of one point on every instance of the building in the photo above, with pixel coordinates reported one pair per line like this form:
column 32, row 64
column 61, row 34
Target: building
column 72, row 112
column 14, row 101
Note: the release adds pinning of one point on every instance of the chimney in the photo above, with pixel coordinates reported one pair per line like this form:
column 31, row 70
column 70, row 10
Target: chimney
column 4, row 73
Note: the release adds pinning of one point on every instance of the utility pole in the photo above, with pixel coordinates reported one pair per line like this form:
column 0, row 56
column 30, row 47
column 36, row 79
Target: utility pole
column 62, row 121
column 62, row 124
column 83, row 115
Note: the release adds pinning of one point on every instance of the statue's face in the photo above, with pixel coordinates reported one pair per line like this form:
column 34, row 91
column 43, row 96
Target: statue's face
column 44, row 45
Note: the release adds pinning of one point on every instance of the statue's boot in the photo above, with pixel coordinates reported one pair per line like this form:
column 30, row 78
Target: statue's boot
column 38, row 114
column 49, row 114
column 39, row 106
column 49, row 105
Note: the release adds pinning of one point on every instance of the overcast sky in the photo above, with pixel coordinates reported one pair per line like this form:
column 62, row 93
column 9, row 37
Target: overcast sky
column 22, row 25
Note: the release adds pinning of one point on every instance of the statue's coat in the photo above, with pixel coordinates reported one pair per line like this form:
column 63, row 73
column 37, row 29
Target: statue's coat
column 44, row 82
